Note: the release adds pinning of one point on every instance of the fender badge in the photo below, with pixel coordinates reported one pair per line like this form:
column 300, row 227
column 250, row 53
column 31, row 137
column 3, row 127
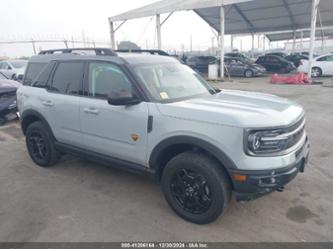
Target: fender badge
column 134, row 137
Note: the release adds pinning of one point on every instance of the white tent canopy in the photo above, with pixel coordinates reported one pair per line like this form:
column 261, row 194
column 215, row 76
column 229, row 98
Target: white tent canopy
column 167, row 6
column 299, row 34
column 260, row 16
column 241, row 16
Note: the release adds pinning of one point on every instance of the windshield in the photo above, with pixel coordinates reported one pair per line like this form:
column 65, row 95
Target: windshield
column 172, row 81
column 2, row 77
column 18, row 64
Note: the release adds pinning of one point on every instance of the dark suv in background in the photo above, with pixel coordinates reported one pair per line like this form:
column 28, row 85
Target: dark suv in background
column 274, row 63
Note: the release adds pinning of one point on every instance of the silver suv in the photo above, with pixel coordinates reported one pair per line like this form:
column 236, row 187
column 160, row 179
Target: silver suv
column 153, row 115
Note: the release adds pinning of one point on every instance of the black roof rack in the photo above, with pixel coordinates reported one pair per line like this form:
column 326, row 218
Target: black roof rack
column 149, row 51
column 98, row 51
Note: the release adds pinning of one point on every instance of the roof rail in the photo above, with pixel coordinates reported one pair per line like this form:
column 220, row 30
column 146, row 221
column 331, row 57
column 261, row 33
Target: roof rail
column 98, row 51
column 148, row 51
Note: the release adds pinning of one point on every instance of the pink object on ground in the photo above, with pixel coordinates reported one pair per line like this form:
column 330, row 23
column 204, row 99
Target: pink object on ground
column 297, row 79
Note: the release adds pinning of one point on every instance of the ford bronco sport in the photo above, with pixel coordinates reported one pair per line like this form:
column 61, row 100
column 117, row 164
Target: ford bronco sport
column 153, row 115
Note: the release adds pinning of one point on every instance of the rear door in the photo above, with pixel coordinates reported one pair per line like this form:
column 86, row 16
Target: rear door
column 62, row 101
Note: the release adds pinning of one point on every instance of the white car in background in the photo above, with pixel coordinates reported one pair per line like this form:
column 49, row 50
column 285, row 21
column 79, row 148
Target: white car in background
column 13, row 69
column 322, row 65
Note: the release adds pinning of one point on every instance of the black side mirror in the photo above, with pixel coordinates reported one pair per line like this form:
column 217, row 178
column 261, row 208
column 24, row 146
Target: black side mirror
column 119, row 98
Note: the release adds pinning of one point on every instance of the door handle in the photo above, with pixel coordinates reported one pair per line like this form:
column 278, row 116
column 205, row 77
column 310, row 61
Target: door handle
column 91, row 110
column 47, row 103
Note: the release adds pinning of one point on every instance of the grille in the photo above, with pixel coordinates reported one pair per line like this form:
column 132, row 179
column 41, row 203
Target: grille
column 6, row 96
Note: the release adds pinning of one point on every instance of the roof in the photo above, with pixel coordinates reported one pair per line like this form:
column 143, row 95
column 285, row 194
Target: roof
column 121, row 58
column 167, row 6
column 283, row 36
column 260, row 16
column 243, row 16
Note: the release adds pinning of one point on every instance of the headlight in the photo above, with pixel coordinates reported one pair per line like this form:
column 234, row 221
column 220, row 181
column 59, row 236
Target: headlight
column 266, row 142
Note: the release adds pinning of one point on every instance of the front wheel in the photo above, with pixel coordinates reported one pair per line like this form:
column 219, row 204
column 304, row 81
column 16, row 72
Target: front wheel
column 196, row 187
column 248, row 73
column 316, row 72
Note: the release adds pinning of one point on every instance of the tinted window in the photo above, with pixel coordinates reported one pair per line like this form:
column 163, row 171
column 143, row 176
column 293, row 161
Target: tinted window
column 260, row 59
column 322, row 58
column 67, row 78
column 43, row 77
column 32, row 72
column 106, row 77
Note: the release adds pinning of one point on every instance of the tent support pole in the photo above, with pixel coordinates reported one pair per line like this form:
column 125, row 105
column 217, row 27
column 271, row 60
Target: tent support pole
column 315, row 4
column 221, row 43
column 158, row 31
column 232, row 42
column 294, row 42
column 252, row 50
column 112, row 36
column 264, row 43
column 301, row 39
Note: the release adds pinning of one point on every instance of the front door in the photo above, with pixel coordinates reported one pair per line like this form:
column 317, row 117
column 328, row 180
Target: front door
column 116, row 131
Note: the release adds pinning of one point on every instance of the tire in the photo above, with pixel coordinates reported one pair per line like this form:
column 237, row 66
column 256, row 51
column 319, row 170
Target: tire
column 316, row 72
column 248, row 73
column 40, row 145
column 196, row 187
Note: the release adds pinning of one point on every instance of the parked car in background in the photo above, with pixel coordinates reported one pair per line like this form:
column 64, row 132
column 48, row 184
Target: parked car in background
column 8, row 106
column 200, row 63
column 275, row 63
column 13, row 69
column 296, row 58
column 241, row 67
column 322, row 65
column 281, row 54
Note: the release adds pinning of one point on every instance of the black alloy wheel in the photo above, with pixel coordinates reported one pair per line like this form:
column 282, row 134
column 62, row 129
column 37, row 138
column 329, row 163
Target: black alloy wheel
column 191, row 191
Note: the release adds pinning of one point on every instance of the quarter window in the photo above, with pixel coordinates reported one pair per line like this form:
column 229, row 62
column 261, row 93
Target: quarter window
column 33, row 71
column 105, row 78
column 67, row 78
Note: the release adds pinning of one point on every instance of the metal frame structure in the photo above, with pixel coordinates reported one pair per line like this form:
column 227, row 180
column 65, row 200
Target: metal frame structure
column 240, row 17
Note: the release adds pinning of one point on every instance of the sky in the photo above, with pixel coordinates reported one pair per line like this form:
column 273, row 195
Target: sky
column 88, row 20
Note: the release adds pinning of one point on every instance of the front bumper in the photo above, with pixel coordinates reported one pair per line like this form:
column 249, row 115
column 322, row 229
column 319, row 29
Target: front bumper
column 261, row 182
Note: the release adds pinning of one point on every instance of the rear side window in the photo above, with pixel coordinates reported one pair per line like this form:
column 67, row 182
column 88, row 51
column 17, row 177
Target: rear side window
column 67, row 78
column 32, row 72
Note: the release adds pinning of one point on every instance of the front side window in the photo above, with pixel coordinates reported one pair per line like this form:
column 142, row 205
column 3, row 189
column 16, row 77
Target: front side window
column 171, row 81
column 105, row 78
column 323, row 58
column 67, row 78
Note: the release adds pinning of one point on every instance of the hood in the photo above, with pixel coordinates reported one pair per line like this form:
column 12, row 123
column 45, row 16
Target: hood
column 257, row 66
column 8, row 86
column 236, row 108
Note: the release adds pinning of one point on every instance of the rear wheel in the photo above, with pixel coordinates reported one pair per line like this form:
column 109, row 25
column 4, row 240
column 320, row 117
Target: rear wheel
column 196, row 187
column 40, row 145
column 316, row 72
